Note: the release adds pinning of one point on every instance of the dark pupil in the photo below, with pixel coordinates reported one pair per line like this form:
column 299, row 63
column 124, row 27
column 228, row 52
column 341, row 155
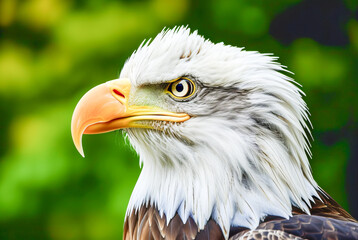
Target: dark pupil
column 179, row 87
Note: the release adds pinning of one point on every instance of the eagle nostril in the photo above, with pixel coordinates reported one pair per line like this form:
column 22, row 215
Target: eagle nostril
column 115, row 91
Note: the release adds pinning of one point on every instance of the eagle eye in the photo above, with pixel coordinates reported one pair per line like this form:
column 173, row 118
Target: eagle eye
column 181, row 88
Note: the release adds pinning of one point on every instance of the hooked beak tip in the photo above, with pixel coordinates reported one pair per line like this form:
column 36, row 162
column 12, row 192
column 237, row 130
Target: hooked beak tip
column 78, row 144
column 82, row 153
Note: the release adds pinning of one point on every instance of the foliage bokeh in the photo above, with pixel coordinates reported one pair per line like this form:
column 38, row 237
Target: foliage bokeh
column 53, row 51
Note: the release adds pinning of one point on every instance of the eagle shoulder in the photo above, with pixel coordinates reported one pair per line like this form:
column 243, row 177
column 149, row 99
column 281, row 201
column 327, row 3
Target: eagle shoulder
column 326, row 206
column 302, row 227
column 328, row 220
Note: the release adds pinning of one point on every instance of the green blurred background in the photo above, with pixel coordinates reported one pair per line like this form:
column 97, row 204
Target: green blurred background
column 53, row 51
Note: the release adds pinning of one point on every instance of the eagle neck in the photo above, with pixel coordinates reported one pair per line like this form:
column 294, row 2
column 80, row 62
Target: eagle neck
column 202, row 183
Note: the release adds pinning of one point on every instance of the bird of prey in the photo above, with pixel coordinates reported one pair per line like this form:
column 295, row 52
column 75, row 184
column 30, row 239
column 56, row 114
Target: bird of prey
column 223, row 139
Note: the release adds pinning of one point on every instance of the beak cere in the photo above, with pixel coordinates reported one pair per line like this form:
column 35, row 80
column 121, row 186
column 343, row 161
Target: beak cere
column 105, row 108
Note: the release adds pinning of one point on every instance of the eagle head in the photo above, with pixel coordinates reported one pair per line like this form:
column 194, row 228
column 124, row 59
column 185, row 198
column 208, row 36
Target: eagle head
column 221, row 132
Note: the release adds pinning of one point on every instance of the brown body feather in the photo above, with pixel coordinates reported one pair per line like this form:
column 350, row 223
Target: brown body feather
column 327, row 219
column 147, row 224
column 302, row 227
column 263, row 234
column 327, row 208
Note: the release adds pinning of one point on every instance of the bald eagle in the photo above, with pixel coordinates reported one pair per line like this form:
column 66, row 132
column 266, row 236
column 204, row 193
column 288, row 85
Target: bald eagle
column 223, row 139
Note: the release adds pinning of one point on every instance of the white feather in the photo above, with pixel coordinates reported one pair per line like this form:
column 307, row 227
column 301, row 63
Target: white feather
column 235, row 172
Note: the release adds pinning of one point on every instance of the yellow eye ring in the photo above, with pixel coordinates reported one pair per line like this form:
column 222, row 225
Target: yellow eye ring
column 181, row 88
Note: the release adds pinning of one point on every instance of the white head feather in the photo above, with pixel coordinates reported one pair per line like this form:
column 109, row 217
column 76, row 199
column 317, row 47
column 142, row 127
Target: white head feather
column 242, row 155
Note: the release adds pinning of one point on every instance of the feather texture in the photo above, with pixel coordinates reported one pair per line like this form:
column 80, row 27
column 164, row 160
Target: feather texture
column 147, row 224
column 328, row 221
column 303, row 227
column 325, row 206
column 263, row 234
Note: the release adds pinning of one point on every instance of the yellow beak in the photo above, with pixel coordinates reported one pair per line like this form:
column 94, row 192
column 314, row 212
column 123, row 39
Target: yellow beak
column 105, row 108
